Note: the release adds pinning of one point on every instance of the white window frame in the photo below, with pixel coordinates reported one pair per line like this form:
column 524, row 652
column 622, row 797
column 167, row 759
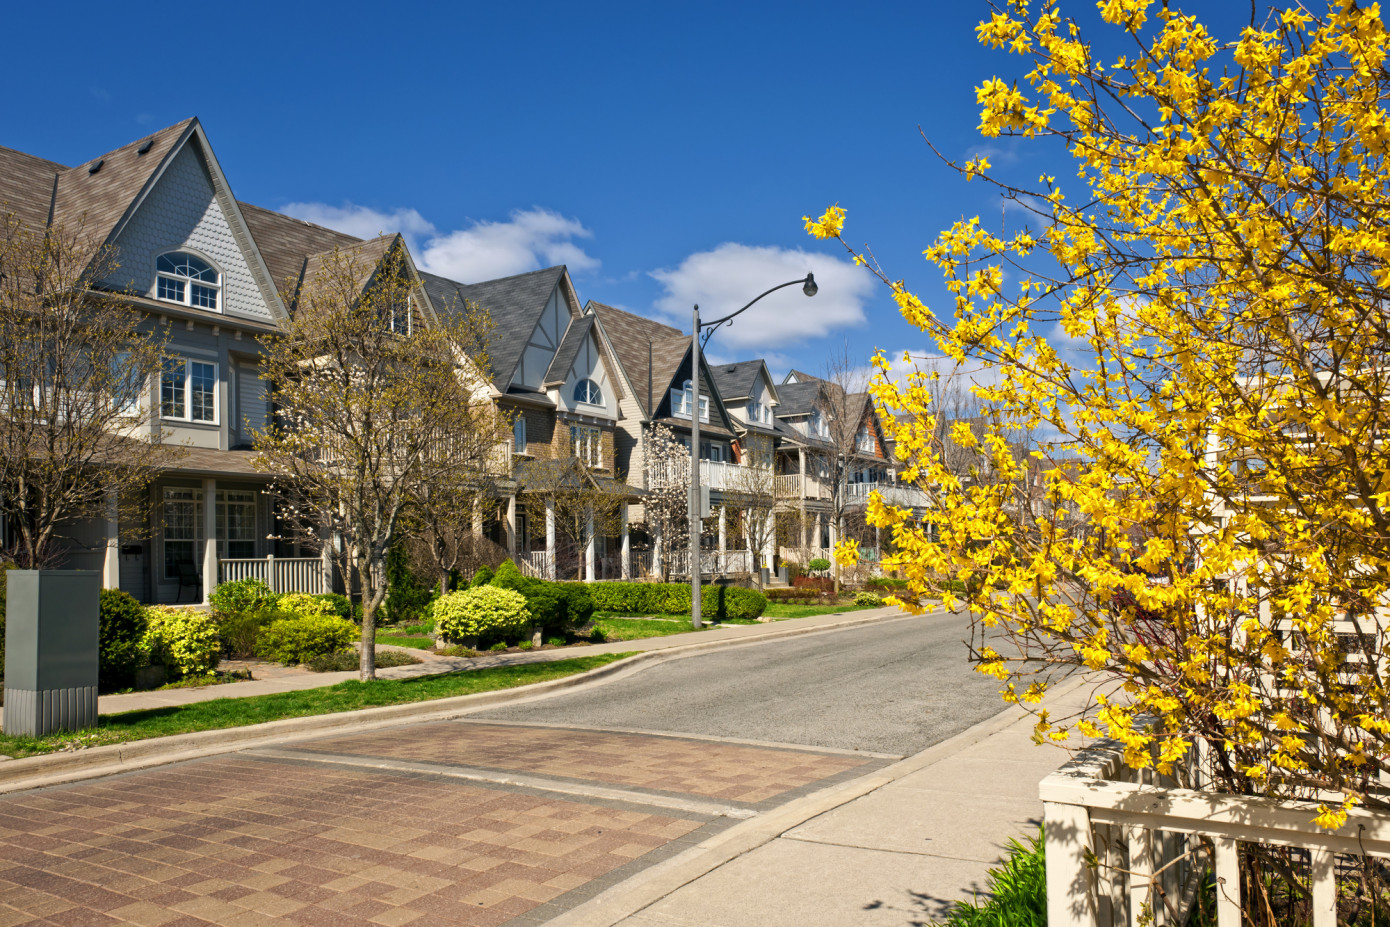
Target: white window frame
column 181, row 496
column 586, row 443
column 680, row 403
column 186, row 389
column 241, row 499
column 593, row 390
column 519, row 435
column 188, row 282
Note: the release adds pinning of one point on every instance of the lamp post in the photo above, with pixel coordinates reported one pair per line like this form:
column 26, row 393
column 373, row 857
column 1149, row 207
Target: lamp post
column 695, row 510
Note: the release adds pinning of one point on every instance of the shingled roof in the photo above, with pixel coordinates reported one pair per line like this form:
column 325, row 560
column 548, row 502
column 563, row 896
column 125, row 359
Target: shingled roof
column 630, row 336
column 514, row 305
column 573, row 340
column 736, row 381
column 286, row 243
column 26, row 186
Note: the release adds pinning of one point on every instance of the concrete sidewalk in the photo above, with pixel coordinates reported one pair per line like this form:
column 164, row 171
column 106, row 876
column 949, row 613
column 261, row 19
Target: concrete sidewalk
column 894, row 848
column 298, row 679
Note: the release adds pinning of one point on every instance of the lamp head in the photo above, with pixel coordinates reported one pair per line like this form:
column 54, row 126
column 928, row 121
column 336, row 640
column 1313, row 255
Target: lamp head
column 810, row 287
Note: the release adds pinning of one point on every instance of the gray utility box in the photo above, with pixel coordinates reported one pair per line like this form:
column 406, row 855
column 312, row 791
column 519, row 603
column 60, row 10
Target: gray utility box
column 52, row 625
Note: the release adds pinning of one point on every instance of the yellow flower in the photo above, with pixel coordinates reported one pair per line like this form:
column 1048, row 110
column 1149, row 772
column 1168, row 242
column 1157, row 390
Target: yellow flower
column 829, row 225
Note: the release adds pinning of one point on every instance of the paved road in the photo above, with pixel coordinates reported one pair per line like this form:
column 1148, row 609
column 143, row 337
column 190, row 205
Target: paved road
column 895, row 687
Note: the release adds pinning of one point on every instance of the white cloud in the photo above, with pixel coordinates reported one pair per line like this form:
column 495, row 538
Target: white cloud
column 724, row 279
column 533, row 238
column 530, row 239
column 363, row 221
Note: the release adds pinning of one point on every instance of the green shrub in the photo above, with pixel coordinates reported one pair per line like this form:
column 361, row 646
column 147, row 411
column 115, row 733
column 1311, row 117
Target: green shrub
column 556, row 641
column 242, row 595
column 299, row 638
column 507, row 576
column 482, row 577
column 525, row 645
column 818, row 565
column 184, row 640
column 121, row 640
column 350, row 660
column 237, row 632
column 500, row 645
column 596, row 636
column 458, row 651
column 579, row 604
column 486, row 612
column 306, row 606
column 867, row 598
column 674, row 599
column 406, row 595
column 341, row 604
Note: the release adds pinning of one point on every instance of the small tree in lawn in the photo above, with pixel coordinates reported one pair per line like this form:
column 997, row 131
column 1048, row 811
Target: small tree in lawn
column 77, row 366
column 373, row 398
column 1205, row 338
column 667, row 500
column 847, row 409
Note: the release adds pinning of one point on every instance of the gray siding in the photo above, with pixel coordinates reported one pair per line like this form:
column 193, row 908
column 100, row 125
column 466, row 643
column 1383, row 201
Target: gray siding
column 182, row 212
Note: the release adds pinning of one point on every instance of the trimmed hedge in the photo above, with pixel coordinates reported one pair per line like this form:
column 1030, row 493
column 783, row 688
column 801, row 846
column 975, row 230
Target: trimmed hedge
column 674, row 599
column 886, row 582
column 555, row 606
column 306, row 606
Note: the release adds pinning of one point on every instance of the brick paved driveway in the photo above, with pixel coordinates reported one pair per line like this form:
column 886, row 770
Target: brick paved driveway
column 453, row 823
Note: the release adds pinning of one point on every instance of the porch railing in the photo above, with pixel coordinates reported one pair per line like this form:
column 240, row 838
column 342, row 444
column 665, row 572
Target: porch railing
column 891, row 493
column 282, row 574
column 1124, row 850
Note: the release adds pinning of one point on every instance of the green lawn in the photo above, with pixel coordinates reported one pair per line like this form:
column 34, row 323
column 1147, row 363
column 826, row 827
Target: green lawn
column 402, row 640
column 345, row 696
column 780, row 610
column 631, row 629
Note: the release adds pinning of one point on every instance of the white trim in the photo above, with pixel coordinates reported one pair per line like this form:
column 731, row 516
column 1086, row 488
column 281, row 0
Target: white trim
column 187, row 390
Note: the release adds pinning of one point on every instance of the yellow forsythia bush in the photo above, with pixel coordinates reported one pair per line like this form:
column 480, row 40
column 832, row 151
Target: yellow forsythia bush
column 487, row 611
column 306, row 606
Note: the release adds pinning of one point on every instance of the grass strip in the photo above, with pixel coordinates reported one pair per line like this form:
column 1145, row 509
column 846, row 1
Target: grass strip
column 780, row 610
column 352, row 695
column 399, row 640
column 631, row 629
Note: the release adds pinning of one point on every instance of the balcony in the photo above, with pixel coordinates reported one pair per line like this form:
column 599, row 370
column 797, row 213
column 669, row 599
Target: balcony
column 796, row 486
column 899, row 494
column 715, row 474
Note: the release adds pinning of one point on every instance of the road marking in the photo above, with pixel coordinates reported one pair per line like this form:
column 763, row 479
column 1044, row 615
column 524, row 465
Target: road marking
column 539, row 783
column 681, row 735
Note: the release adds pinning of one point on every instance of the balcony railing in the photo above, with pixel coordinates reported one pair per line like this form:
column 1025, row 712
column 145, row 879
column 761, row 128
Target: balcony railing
column 716, row 474
column 795, row 486
column 891, row 493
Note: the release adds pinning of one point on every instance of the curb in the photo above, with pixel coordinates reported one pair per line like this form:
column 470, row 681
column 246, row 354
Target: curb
column 59, row 768
column 635, row 894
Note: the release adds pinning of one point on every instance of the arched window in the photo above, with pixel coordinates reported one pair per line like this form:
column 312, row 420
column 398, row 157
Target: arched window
column 587, row 390
column 192, row 281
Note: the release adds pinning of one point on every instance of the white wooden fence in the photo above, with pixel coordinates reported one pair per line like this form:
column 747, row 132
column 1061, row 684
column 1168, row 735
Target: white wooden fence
column 1122, row 850
column 282, row 574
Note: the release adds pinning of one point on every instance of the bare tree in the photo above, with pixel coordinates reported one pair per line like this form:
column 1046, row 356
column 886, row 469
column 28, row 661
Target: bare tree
column 76, row 430
column 848, row 410
column 376, row 402
column 755, row 495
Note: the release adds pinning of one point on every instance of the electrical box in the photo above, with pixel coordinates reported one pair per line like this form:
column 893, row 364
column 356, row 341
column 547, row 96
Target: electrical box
column 704, row 502
column 52, row 625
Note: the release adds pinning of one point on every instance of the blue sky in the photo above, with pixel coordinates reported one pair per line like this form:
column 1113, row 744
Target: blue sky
column 665, row 152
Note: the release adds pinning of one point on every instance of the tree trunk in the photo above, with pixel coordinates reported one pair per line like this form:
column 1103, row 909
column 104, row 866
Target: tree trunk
column 367, row 664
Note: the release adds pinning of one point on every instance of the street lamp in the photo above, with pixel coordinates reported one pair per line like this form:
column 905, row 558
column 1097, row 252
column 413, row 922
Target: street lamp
column 808, row 286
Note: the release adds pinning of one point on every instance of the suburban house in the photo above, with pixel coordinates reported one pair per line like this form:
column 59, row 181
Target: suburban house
column 555, row 376
column 582, row 384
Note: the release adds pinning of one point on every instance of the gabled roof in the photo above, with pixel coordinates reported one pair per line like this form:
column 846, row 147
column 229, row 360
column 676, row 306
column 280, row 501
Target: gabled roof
column 514, row 305
column 103, row 199
column 287, row 243
column 570, row 344
column 632, row 336
column 736, row 381
column 798, row 398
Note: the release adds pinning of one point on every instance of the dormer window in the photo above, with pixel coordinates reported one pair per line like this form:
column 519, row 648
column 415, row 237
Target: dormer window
column 191, row 281
column 680, row 403
column 587, row 391
column 818, row 426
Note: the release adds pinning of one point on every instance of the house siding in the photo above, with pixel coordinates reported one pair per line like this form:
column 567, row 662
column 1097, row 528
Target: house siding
column 182, row 212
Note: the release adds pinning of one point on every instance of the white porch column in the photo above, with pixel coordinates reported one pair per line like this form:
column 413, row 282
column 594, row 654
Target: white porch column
column 589, row 545
column 817, row 536
column 477, row 518
column 326, row 558
column 801, row 463
column 550, row 540
column 209, row 539
column 111, row 563
column 656, row 556
column 511, row 525
column 626, row 554
column 723, row 538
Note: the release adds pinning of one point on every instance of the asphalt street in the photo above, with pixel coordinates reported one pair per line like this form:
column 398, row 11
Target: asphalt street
column 895, row 687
